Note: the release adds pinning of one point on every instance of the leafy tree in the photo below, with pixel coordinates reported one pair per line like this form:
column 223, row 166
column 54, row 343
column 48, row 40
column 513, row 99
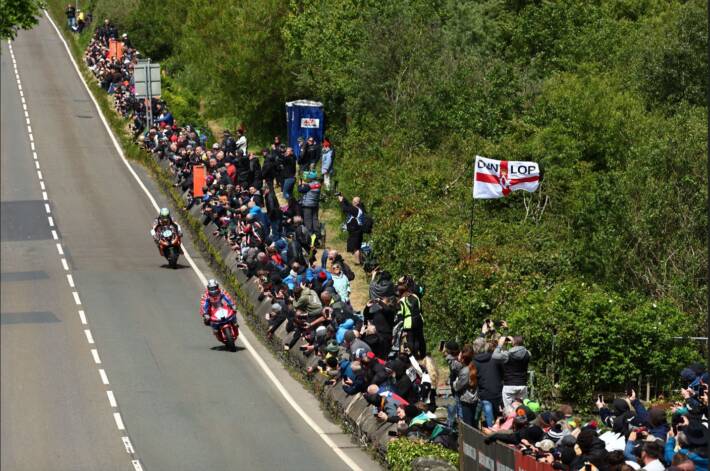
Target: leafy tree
column 18, row 14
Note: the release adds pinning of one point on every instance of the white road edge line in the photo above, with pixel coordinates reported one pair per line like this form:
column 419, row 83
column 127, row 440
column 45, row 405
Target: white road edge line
column 262, row 364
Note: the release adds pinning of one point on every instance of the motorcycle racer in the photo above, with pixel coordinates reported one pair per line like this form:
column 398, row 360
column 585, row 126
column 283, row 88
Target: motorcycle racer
column 212, row 299
column 161, row 223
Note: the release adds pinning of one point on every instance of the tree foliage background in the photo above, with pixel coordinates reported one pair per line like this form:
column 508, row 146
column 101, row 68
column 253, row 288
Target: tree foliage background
column 16, row 15
column 604, row 265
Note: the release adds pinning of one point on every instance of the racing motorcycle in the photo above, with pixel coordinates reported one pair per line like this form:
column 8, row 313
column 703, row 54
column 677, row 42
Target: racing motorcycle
column 223, row 320
column 169, row 242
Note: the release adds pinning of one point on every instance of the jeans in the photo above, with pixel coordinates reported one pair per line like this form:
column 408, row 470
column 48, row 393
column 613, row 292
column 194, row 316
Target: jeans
column 71, row 22
column 511, row 393
column 468, row 413
column 489, row 412
column 288, row 187
column 310, row 220
column 453, row 411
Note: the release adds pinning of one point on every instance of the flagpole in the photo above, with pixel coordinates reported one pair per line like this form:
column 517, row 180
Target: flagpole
column 470, row 228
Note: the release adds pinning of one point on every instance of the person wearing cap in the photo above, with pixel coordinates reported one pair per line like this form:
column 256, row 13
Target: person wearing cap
column 126, row 42
column 354, row 344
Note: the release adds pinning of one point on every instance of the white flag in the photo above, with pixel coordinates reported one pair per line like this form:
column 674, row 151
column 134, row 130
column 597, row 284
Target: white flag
column 497, row 178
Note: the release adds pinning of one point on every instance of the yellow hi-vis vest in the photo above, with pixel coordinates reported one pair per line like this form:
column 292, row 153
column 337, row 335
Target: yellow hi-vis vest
column 405, row 311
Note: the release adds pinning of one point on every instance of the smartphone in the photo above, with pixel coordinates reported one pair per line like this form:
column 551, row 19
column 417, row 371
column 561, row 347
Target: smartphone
column 442, row 344
column 392, row 433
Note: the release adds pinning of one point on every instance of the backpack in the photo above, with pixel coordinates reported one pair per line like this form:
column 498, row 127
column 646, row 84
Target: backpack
column 367, row 223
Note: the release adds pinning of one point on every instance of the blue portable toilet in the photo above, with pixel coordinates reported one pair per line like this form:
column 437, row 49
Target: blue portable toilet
column 304, row 118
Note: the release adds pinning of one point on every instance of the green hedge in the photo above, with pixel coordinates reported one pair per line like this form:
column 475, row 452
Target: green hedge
column 401, row 453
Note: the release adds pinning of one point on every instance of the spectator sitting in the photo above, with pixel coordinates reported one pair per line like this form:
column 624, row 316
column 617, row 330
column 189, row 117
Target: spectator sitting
column 341, row 284
column 353, row 344
column 356, row 383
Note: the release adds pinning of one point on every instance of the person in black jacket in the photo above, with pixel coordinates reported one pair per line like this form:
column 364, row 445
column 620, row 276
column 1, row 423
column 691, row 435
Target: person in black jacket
column 381, row 285
column 269, row 168
column 490, row 383
column 273, row 211
column 311, row 154
column 255, row 177
column 354, row 220
column 287, row 164
column 514, row 362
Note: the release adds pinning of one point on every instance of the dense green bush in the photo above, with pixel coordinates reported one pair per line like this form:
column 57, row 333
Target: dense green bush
column 401, row 453
column 608, row 96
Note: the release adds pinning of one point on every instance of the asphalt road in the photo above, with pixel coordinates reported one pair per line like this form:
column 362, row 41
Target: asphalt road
column 186, row 404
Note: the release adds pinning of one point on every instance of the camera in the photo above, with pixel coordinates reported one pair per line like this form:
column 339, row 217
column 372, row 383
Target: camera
column 442, row 345
column 337, row 193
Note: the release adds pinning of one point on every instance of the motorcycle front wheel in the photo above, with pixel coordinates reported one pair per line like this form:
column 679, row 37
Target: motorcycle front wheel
column 229, row 339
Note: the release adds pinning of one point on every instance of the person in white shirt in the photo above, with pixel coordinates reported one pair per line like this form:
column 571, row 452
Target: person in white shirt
column 651, row 456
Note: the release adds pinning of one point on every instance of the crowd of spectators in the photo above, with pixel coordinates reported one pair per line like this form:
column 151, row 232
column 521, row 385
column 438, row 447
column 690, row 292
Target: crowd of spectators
column 380, row 351
column 489, row 383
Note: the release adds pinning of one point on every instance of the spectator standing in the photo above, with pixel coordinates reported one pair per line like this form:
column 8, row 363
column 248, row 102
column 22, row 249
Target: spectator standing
column 515, row 369
column 309, row 189
column 241, row 143
column 466, row 386
column 410, row 314
column 71, row 16
column 269, row 168
column 355, row 218
column 490, row 383
column 311, row 154
column 288, row 172
column 327, row 162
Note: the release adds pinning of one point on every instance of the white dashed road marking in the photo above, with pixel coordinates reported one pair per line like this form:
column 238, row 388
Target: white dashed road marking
column 70, row 279
column 104, row 377
column 112, row 400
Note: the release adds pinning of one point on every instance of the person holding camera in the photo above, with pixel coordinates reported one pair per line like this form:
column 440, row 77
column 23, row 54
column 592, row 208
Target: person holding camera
column 514, row 363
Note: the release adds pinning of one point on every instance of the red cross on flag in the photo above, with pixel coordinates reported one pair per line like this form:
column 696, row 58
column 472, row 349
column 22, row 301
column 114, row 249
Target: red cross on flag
column 497, row 178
